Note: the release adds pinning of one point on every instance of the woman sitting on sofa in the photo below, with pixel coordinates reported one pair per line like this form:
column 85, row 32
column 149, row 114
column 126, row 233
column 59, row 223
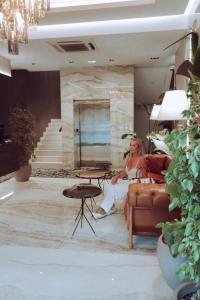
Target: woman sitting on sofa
column 135, row 168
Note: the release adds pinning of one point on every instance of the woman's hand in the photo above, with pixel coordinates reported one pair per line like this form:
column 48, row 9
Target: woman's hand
column 114, row 180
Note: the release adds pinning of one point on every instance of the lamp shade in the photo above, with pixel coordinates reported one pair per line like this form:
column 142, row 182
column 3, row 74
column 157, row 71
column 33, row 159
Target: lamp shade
column 5, row 66
column 155, row 112
column 174, row 103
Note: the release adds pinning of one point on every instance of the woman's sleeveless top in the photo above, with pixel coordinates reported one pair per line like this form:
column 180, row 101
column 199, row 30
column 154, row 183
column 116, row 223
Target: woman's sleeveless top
column 136, row 177
column 132, row 173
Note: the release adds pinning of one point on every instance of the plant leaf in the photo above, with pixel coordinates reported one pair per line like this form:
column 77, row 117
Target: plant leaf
column 187, row 184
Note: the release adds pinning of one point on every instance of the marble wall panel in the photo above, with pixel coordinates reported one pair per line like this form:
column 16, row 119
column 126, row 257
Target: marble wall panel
column 114, row 83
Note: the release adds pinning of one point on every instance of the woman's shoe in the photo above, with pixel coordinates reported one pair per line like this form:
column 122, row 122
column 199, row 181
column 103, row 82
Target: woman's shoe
column 104, row 214
column 99, row 216
column 113, row 210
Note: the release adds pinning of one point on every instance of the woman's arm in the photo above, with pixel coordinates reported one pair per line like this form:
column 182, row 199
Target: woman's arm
column 120, row 175
column 142, row 166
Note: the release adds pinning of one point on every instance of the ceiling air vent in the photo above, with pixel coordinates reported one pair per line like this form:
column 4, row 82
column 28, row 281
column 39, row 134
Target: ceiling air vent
column 73, row 46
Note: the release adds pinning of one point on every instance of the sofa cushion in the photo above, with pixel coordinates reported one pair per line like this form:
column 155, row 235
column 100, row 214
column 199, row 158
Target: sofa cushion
column 156, row 163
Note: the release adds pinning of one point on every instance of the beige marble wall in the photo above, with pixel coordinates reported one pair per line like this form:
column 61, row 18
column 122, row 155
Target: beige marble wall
column 115, row 83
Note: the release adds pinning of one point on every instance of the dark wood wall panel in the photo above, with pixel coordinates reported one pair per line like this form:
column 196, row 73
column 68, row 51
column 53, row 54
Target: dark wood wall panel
column 37, row 91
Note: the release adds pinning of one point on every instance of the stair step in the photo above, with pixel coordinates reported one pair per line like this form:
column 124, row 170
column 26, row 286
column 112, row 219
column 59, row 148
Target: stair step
column 48, row 152
column 51, row 140
column 49, row 159
column 52, row 131
column 54, row 124
column 47, row 165
column 55, row 120
column 49, row 147
column 57, row 135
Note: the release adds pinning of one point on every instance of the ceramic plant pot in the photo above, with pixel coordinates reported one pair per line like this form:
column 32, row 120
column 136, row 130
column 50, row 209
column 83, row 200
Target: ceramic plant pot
column 23, row 173
column 187, row 291
column 168, row 264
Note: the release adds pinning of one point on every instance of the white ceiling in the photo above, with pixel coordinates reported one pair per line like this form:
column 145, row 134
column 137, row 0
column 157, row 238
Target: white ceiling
column 130, row 32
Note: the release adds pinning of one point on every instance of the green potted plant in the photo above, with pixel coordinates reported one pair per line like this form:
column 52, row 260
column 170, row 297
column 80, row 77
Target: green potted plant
column 183, row 184
column 22, row 123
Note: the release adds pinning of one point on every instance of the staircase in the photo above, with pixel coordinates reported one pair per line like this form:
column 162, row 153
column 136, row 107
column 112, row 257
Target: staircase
column 49, row 153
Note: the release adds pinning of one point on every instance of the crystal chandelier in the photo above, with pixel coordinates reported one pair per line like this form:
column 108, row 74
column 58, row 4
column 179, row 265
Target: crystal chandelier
column 16, row 16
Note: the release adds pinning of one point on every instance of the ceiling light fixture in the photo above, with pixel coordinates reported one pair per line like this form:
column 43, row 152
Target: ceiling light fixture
column 91, row 61
column 15, row 18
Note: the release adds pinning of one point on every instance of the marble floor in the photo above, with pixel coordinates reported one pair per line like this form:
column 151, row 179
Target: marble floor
column 41, row 260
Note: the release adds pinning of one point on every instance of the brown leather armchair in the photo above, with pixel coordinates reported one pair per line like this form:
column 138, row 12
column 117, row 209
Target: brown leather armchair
column 147, row 205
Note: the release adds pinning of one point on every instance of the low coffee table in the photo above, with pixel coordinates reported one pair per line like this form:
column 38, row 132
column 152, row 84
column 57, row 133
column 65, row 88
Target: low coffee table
column 82, row 191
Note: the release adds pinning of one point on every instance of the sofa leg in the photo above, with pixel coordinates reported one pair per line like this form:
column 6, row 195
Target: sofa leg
column 130, row 228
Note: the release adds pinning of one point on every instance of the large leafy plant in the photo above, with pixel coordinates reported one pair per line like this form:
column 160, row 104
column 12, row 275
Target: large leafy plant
column 183, row 184
column 22, row 131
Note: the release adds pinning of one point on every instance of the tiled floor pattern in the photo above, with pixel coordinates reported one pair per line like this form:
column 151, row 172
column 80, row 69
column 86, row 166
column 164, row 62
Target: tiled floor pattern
column 41, row 260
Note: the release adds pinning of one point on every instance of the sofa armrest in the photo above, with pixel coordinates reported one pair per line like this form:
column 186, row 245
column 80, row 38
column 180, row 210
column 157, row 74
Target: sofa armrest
column 149, row 190
column 152, row 199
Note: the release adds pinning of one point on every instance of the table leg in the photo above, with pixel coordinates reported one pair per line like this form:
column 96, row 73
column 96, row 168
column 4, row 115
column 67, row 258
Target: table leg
column 98, row 180
column 102, row 184
column 80, row 216
column 90, row 211
column 89, row 224
column 77, row 224
column 92, row 199
column 82, row 210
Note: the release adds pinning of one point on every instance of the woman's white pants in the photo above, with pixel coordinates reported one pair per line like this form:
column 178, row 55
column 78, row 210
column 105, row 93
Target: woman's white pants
column 115, row 192
column 119, row 191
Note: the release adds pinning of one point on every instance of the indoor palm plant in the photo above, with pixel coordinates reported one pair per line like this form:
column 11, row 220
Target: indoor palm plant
column 22, row 132
column 183, row 184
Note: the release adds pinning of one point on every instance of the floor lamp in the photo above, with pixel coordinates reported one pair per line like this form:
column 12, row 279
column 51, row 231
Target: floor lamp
column 174, row 103
column 153, row 117
column 154, row 114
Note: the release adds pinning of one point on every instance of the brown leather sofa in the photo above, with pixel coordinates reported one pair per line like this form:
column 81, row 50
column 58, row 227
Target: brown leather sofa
column 147, row 204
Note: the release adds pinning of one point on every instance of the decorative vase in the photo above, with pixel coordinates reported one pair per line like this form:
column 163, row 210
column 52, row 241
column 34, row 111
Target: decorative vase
column 23, row 173
column 187, row 291
column 168, row 264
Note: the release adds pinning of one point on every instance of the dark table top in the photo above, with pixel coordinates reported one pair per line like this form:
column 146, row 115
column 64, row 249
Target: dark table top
column 82, row 191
